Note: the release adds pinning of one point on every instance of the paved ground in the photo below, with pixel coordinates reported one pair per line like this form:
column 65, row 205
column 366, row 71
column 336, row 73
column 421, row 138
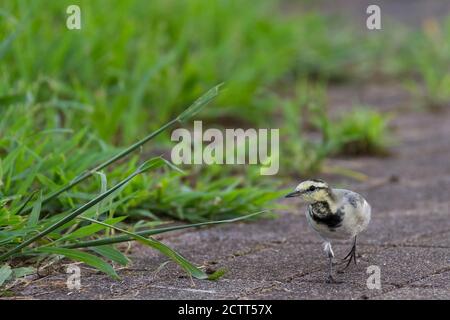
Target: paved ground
column 409, row 236
column 410, row 12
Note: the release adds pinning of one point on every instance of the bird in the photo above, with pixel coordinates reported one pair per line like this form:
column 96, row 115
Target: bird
column 334, row 214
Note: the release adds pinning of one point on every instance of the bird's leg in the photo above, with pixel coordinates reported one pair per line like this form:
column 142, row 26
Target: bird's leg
column 350, row 256
column 330, row 255
column 330, row 278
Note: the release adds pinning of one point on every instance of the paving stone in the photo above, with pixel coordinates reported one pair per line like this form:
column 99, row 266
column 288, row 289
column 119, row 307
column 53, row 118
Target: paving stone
column 276, row 264
column 441, row 240
column 400, row 226
column 404, row 265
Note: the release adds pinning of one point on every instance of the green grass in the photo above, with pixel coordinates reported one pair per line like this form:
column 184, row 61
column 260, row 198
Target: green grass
column 144, row 81
column 361, row 131
column 301, row 153
column 431, row 59
column 68, row 97
column 311, row 134
column 137, row 73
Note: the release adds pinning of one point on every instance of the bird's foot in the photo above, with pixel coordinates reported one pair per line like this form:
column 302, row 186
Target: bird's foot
column 350, row 256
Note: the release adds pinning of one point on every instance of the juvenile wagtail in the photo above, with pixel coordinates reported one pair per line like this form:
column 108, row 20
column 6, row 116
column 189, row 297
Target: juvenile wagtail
column 334, row 214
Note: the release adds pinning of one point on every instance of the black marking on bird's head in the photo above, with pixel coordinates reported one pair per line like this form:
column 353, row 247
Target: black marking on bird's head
column 317, row 180
column 312, row 184
column 321, row 213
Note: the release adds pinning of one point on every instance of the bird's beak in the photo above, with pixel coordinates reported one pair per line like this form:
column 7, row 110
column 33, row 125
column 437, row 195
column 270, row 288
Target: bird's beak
column 293, row 194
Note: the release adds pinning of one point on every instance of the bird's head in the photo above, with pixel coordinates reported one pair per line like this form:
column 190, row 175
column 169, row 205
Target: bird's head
column 313, row 190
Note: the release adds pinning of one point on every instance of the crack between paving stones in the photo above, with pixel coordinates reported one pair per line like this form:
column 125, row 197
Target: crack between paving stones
column 408, row 283
column 277, row 283
column 405, row 284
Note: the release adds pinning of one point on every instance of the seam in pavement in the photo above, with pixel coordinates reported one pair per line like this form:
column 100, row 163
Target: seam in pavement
column 408, row 282
column 277, row 283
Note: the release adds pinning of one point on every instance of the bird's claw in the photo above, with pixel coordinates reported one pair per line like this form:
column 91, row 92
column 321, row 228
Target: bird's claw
column 348, row 258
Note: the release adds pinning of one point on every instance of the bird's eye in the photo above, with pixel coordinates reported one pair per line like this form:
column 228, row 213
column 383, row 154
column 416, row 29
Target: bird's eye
column 312, row 188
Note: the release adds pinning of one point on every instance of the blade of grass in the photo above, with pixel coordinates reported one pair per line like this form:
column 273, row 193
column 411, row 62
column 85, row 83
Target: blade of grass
column 111, row 253
column 5, row 273
column 125, row 238
column 179, row 259
column 198, row 105
column 13, row 98
column 19, row 211
column 103, row 188
column 89, row 230
column 34, row 216
column 23, row 271
column 87, row 258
